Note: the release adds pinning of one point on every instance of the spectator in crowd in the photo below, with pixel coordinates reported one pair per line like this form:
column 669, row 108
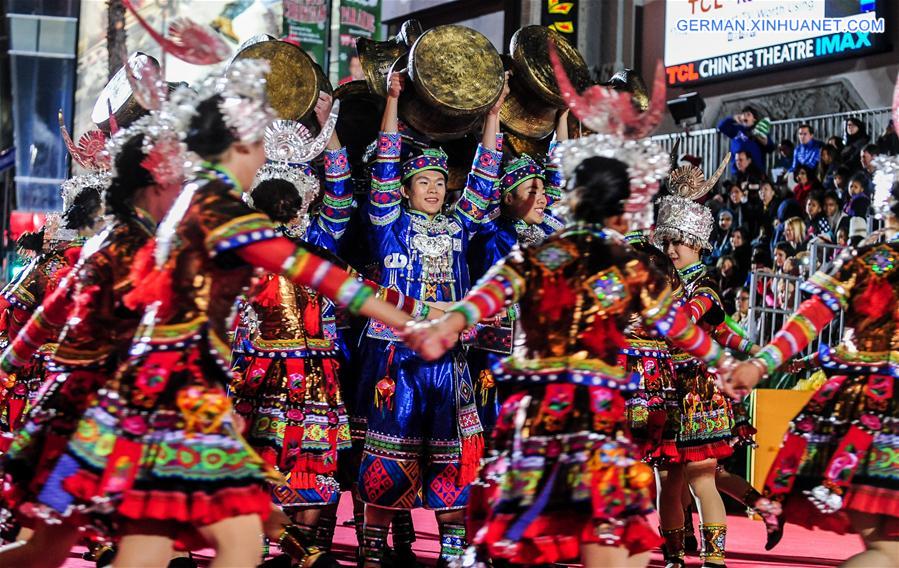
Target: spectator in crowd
column 748, row 132
column 728, row 280
column 818, row 227
column 842, row 236
column 833, row 209
column 808, row 151
column 782, row 252
column 836, row 142
column 721, row 235
column 748, row 176
column 806, row 182
column 855, row 137
column 858, row 203
column 741, row 313
column 868, row 154
column 784, row 159
column 769, row 202
column 794, row 233
column 827, row 165
column 858, row 230
column 788, row 208
column 888, row 142
column 744, row 208
column 841, row 182
column 741, row 251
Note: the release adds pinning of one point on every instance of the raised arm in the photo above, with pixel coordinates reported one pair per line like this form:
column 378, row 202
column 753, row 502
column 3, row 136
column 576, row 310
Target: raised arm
column 337, row 201
column 480, row 201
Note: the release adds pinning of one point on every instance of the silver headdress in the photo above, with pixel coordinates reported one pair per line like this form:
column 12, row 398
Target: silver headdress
column 681, row 219
column 167, row 158
column 887, row 169
column 244, row 105
column 290, row 146
column 621, row 135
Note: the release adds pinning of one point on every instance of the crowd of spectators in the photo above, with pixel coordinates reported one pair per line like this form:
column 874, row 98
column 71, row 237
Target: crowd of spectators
column 819, row 189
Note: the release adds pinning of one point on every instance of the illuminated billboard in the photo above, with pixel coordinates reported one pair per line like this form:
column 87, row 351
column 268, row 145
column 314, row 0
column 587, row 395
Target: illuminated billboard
column 714, row 40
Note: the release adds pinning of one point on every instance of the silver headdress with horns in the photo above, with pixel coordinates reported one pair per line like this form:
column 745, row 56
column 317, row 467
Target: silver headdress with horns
column 681, row 219
column 621, row 135
column 289, row 146
column 89, row 154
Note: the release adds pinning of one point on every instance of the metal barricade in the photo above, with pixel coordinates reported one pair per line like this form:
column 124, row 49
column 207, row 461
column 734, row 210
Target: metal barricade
column 711, row 145
column 774, row 297
column 822, row 253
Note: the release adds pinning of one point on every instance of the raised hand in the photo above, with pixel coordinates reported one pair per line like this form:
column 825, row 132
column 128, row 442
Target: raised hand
column 323, row 107
column 502, row 97
column 396, row 82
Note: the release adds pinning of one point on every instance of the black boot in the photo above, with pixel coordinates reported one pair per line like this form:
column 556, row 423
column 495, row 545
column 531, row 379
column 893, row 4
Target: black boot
column 403, row 537
column 374, row 546
column 691, row 543
column 673, row 548
column 296, row 540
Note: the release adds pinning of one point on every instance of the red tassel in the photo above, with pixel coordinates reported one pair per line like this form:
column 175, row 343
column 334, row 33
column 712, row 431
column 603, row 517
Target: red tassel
column 603, row 338
column 72, row 255
column 15, row 408
column 269, row 294
column 876, row 300
column 151, row 284
column 559, row 298
column 470, row 461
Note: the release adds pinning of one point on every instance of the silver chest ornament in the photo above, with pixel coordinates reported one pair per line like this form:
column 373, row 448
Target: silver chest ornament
column 529, row 235
column 432, row 249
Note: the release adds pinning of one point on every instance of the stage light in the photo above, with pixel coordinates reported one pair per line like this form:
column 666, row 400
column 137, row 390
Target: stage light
column 687, row 109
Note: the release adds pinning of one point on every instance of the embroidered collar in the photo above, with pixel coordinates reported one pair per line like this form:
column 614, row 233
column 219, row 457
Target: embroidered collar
column 692, row 272
column 223, row 174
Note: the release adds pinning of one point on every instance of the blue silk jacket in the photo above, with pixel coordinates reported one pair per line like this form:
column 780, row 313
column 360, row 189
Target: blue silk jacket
column 420, row 256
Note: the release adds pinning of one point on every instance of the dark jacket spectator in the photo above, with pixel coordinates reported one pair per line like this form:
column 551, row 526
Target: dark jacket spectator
column 741, row 250
column 768, row 203
column 855, row 137
column 888, row 142
column 827, row 165
column 859, row 202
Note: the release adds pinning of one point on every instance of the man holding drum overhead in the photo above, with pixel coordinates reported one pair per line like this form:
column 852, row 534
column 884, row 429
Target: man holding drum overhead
column 424, row 441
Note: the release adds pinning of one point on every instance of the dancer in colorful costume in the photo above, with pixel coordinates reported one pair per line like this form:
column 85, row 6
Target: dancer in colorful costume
column 59, row 244
column 568, row 482
column 836, row 468
column 88, row 315
column 157, row 447
column 424, row 440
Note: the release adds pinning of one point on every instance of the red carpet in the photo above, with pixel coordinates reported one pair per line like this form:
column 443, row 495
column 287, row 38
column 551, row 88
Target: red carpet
column 799, row 548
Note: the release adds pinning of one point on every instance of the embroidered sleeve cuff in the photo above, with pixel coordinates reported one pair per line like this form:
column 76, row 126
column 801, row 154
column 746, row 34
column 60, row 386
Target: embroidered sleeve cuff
column 337, row 164
column 499, row 142
column 469, row 311
column 834, row 295
column 389, row 144
column 240, row 232
column 487, row 163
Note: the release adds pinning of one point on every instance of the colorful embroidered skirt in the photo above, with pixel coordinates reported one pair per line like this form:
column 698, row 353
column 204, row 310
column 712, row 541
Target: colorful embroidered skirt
column 840, row 454
column 565, row 475
column 39, row 443
column 705, row 429
column 157, row 444
column 295, row 419
column 653, row 411
column 424, row 442
column 21, row 391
